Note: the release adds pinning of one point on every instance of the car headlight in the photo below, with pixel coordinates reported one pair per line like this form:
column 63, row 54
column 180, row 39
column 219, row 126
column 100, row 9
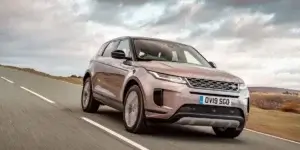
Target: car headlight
column 244, row 92
column 243, row 86
column 168, row 77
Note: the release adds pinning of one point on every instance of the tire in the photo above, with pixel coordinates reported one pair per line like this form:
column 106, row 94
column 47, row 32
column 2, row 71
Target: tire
column 137, row 125
column 229, row 132
column 91, row 105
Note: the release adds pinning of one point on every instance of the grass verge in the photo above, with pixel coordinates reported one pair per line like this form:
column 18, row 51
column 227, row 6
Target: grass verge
column 70, row 79
column 275, row 122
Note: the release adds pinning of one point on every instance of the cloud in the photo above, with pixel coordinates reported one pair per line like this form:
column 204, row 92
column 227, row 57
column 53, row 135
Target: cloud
column 257, row 40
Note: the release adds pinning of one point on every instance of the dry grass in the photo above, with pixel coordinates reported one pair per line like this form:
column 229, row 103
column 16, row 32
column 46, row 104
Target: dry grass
column 282, row 124
column 72, row 80
column 269, row 101
column 291, row 107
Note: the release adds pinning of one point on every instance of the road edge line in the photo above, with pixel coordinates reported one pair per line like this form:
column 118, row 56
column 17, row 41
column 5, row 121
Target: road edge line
column 114, row 134
column 7, row 80
column 38, row 95
column 273, row 136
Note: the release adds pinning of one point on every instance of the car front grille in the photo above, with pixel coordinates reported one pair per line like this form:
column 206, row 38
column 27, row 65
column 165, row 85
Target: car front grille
column 212, row 84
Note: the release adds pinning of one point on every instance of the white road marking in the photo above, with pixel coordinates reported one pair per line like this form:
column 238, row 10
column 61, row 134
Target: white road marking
column 7, row 80
column 38, row 95
column 269, row 135
column 115, row 134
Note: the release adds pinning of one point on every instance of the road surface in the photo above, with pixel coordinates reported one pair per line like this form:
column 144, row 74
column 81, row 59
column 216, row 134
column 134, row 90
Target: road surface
column 41, row 113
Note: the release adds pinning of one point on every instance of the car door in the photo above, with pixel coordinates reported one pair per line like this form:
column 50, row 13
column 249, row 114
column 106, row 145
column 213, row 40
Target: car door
column 120, row 69
column 102, row 72
column 111, row 73
column 94, row 63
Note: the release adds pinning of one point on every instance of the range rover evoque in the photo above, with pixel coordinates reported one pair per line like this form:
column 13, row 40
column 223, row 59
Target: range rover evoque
column 153, row 80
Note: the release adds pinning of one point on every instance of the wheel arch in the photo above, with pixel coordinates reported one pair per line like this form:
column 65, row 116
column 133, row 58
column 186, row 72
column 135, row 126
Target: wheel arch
column 130, row 82
column 86, row 75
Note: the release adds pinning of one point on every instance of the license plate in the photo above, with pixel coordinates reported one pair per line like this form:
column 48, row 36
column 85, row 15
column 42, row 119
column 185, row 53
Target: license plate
column 213, row 100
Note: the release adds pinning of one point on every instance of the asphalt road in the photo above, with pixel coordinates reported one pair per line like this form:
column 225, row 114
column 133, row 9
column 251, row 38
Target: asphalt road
column 41, row 113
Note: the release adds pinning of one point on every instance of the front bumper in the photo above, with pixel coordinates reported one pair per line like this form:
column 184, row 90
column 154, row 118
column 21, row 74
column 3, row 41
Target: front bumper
column 165, row 101
column 200, row 115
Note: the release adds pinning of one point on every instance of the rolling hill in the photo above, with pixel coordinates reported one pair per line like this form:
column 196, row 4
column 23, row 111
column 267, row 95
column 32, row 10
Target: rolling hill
column 272, row 90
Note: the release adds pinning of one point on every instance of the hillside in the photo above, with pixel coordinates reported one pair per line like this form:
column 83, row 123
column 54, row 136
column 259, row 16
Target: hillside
column 71, row 79
column 274, row 90
column 271, row 89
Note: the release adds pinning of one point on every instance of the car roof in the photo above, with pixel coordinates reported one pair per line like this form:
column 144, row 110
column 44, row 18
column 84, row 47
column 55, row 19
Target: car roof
column 146, row 38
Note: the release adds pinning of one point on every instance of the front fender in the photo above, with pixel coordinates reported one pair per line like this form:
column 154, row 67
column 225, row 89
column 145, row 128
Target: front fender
column 132, row 76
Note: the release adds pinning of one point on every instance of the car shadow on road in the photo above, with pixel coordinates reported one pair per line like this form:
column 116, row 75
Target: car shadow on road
column 187, row 133
column 173, row 132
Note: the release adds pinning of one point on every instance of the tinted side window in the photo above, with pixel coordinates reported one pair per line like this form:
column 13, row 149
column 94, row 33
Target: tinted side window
column 124, row 45
column 111, row 47
column 101, row 49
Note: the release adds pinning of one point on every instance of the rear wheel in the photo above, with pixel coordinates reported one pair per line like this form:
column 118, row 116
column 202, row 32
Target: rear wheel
column 228, row 132
column 133, row 113
column 88, row 102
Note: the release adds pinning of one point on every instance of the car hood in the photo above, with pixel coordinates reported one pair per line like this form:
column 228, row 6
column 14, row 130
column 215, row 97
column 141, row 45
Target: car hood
column 189, row 70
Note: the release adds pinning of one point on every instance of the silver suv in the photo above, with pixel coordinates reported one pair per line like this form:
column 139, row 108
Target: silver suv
column 160, row 81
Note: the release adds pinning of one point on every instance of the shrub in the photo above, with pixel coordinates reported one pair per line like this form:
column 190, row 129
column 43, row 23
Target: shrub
column 266, row 101
column 291, row 106
column 73, row 76
column 287, row 103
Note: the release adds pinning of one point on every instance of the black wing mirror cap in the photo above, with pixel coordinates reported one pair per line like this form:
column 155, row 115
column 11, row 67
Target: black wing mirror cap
column 118, row 54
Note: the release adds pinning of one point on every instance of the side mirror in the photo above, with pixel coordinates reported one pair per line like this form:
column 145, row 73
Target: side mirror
column 212, row 64
column 118, row 54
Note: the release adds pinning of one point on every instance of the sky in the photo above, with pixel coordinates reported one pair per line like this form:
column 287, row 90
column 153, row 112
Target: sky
column 257, row 40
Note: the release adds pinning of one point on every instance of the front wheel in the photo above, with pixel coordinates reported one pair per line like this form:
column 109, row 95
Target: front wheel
column 88, row 102
column 133, row 113
column 228, row 132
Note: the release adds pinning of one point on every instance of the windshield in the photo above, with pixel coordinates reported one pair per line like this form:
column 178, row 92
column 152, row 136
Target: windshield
column 147, row 49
